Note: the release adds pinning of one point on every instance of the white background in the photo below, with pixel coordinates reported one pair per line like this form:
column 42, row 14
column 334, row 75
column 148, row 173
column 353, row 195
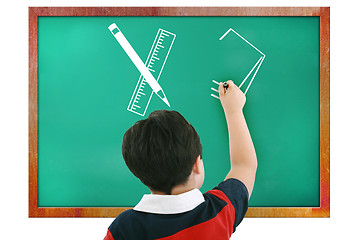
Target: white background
column 345, row 130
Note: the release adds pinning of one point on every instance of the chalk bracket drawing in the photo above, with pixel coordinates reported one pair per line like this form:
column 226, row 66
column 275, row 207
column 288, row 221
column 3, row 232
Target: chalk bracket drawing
column 255, row 68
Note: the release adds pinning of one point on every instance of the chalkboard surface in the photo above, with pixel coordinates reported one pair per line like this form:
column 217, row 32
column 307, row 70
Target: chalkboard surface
column 86, row 82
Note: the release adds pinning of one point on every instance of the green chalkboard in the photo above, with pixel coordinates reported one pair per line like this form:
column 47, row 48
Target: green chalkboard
column 86, row 81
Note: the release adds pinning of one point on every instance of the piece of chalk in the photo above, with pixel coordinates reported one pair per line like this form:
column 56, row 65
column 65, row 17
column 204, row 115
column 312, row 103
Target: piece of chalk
column 226, row 85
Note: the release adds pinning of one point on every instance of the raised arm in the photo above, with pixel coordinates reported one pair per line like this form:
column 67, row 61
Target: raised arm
column 242, row 152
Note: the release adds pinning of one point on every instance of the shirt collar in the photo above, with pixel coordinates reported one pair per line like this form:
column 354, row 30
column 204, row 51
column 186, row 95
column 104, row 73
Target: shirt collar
column 170, row 204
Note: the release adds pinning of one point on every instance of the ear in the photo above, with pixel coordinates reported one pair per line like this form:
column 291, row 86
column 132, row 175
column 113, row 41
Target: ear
column 197, row 165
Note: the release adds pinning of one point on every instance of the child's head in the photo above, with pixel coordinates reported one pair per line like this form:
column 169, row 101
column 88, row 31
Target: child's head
column 162, row 150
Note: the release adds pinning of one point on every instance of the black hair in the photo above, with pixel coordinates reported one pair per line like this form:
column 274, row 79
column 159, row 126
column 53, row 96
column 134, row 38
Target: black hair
column 161, row 150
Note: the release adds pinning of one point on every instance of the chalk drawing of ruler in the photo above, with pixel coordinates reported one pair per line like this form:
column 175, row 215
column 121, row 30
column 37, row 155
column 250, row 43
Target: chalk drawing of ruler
column 155, row 62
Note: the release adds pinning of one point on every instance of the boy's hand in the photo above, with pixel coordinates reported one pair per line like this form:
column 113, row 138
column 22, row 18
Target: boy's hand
column 232, row 98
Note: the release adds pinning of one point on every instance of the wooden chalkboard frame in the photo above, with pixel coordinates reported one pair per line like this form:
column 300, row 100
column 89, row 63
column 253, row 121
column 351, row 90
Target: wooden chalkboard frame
column 322, row 12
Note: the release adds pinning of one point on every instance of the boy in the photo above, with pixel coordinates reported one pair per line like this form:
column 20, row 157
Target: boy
column 165, row 153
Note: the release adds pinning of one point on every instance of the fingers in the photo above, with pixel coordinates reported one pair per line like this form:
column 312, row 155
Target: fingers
column 230, row 83
column 223, row 89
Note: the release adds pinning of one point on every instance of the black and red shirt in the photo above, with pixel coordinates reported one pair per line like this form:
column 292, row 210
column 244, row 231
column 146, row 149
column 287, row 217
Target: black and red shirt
column 191, row 215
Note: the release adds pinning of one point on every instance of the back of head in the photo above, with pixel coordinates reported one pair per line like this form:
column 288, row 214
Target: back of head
column 161, row 150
